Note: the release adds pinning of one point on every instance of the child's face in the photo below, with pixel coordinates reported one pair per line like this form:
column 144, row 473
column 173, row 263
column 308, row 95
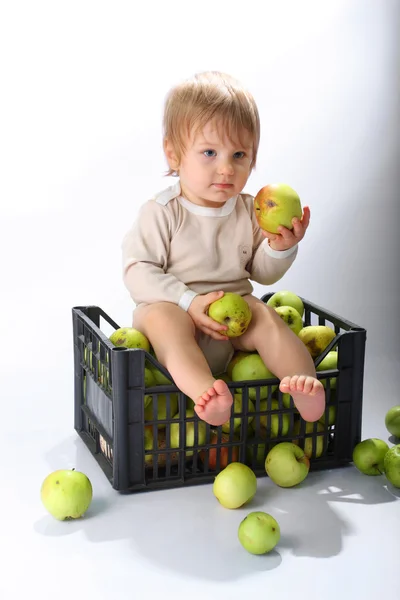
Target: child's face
column 213, row 168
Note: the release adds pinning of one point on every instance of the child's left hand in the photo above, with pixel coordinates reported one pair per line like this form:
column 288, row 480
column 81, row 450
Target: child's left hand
column 287, row 238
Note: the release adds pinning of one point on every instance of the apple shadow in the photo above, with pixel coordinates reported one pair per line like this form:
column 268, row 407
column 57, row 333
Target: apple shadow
column 186, row 531
column 394, row 440
column 197, row 538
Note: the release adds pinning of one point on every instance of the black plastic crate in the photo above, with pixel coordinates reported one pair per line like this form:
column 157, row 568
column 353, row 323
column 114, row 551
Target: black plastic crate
column 111, row 418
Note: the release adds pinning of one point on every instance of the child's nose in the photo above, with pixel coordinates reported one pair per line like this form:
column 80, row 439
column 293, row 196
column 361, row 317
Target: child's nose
column 225, row 167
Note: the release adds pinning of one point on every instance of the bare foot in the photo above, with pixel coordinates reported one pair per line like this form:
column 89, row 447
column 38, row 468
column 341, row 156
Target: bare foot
column 308, row 395
column 214, row 406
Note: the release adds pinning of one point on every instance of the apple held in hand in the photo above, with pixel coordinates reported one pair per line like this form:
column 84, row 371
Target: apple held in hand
column 368, row 456
column 392, row 421
column 66, row 494
column 259, row 532
column 287, row 465
column 235, row 485
column 277, row 204
column 286, row 298
column 392, row 465
column 233, row 311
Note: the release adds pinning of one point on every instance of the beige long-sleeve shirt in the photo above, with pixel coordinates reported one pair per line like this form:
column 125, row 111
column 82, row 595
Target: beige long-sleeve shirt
column 176, row 250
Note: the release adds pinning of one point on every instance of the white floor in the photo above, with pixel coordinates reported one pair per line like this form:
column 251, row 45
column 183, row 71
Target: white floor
column 340, row 529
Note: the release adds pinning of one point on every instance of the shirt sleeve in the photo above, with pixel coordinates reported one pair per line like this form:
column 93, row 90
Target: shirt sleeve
column 145, row 250
column 267, row 266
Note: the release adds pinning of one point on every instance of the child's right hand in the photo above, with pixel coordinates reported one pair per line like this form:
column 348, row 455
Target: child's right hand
column 198, row 309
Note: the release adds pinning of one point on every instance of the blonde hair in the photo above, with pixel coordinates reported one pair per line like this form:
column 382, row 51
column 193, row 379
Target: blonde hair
column 205, row 96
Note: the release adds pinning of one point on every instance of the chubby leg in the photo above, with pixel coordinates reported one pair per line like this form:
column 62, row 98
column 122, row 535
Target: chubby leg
column 171, row 332
column 286, row 356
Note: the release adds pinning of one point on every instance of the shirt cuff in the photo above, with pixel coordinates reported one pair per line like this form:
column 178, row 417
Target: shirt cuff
column 186, row 299
column 277, row 253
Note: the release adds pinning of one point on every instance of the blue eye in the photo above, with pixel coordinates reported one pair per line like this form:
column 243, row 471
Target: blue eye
column 209, row 153
column 239, row 154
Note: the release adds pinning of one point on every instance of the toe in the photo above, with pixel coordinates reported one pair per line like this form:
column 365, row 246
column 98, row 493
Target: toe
column 300, row 383
column 220, row 387
column 309, row 384
column 293, row 383
column 284, row 385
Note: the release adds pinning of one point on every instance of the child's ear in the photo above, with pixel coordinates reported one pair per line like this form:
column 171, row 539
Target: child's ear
column 170, row 155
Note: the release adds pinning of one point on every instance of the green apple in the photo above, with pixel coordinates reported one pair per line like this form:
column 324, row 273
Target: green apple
column 287, row 402
column 277, row 204
column 159, row 377
column 286, row 298
column 274, row 419
column 235, row 485
column 128, row 337
column 329, row 363
column 162, row 404
column 191, row 427
column 259, row 532
column 392, row 465
column 161, row 444
column 331, row 416
column 392, row 421
column 368, row 456
column 149, row 379
column 225, row 377
column 287, row 465
column 238, row 408
column 291, row 317
column 316, row 338
column 238, row 355
column 233, row 311
column 262, row 450
column 315, row 443
column 251, row 368
column 66, row 494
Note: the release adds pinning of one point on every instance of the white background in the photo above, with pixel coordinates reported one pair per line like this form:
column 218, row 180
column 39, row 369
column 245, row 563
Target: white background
column 83, row 85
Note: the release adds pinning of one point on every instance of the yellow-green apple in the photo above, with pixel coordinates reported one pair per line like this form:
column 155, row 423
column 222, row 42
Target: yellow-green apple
column 331, row 416
column 162, row 405
column 277, row 204
column 149, row 379
column 316, row 338
column 161, row 445
column 128, row 337
column 274, row 419
column 233, row 311
column 235, row 485
column 259, row 532
column 315, row 443
column 251, row 368
column 291, row 317
column 329, row 363
column 392, row 465
column 66, row 494
column 286, row 298
column 392, row 421
column 238, row 355
column 287, row 465
column 191, row 427
column 368, row 456
column 237, row 407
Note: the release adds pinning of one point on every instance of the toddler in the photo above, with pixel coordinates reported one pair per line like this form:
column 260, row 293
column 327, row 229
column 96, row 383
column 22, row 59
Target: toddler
column 199, row 238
